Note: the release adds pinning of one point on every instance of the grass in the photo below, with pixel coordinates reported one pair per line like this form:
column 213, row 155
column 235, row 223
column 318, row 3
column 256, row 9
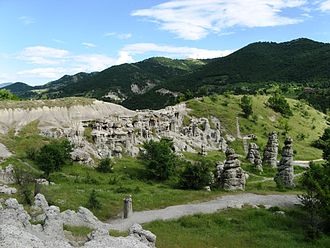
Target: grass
column 305, row 126
column 235, row 228
column 78, row 231
column 74, row 184
column 61, row 102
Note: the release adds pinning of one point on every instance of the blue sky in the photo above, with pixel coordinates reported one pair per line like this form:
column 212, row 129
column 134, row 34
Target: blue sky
column 42, row 40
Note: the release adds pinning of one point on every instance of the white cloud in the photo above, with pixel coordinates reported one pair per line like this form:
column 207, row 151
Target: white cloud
column 93, row 62
column 27, row 20
column 325, row 6
column 47, row 73
column 121, row 36
column 88, row 45
column 195, row 19
column 42, row 55
column 173, row 51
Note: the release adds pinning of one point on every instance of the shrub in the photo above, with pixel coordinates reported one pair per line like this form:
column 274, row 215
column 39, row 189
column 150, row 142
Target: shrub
column 324, row 143
column 105, row 165
column 316, row 199
column 196, row 175
column 279, row 104
column 159, row 158
column 246, row 105
column 7, row 95
column 93, row 202
column 53, row 156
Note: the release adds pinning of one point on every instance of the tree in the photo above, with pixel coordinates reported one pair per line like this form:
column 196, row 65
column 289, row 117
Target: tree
column 93, row 202
column 105, row 165
column 324, row 143
column 54, row 155
column 246, row 105
column 7, row 95
column 316, row 199
column 196, row 175
column 279, row 104
column 159, row 158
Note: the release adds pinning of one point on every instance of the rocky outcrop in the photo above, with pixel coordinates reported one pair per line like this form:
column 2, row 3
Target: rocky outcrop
column 4, row 189
column 254, row 156
column 7, row 175
column 17, row 231
column 4, row 153
column 232, row 176
column 271, row 150
column 285, row 173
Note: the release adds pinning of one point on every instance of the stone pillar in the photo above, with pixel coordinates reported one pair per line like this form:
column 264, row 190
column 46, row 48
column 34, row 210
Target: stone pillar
column 203, row 150
column 128, row 207
column 37, row 187
column 232, row 176
column 285, row 173
column 254, row 156
column 271, row 150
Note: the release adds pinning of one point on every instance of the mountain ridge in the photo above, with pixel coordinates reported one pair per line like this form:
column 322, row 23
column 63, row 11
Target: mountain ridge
column 157, row 81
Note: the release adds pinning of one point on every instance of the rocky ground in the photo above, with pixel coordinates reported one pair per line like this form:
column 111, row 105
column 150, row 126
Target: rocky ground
column 16, row 230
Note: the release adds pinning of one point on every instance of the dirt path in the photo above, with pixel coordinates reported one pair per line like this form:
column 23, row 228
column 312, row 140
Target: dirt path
column 228, row 201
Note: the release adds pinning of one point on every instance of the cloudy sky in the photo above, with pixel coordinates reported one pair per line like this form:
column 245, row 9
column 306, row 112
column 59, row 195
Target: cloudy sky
column 42, row 40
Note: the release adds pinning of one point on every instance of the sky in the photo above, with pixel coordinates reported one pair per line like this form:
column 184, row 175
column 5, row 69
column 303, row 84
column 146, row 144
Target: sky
column 42, row 40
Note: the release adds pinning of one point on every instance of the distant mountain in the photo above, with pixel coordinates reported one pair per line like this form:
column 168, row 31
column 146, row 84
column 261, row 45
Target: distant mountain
column 156, row 82
column 299, row 61
column 21, row 89
column 4, row 85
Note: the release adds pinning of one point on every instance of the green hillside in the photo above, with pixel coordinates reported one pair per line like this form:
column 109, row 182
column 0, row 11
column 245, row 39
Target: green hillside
column 305, row 126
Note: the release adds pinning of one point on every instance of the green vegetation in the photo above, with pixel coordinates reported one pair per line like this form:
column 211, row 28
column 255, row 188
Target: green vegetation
column 105, row 165
column 93, row 203
column 159, row 158
column 80, row 231
column 63, row 102
column 280, row 104
column 7, row 95
column 53, row 156
column 246, row 105
column 324, row 143
column 235, row 228
column 196, row 175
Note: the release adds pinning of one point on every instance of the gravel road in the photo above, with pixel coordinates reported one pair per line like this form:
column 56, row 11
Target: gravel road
column 228, row 201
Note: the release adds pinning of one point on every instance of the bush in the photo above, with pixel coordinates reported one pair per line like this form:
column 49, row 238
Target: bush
column 196, row 175
column 105, row 165
column 279, row 104
column 53, row 156
column 93, row 202
column 159, row 158
column 316, row 200
column 246, row 105
column 7, row 95
column 324, row 143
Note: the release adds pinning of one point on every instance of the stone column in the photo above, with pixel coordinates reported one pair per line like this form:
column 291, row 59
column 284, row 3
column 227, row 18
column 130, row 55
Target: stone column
column 128, row 207
column 271, row 150
column 285, row 173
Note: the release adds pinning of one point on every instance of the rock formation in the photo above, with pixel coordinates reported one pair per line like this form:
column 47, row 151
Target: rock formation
column 254, row 156
column 7, row 175
column 271, row 150
column 232, row 176
column 4, row 153
column 17, row 231
column 285, row 173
